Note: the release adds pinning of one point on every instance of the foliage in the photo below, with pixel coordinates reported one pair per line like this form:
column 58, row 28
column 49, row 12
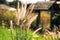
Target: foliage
column 21, row 34
column 5, row 34
column 3, row 1
column 7, row 15
column 18, row 34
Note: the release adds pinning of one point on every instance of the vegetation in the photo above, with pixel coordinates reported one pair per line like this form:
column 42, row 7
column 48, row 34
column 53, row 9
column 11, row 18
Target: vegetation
column 20, row 34
column 16, row 34
column 27, row 28
column 6, row 16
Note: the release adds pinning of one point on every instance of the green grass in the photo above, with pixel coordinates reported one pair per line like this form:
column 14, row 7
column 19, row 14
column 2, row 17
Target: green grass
column 17, row 34
column 5, row 34
column 20, row 34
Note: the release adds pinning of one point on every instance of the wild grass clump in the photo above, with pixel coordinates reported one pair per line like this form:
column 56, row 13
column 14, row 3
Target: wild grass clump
column 15, row 34
column 21, row 34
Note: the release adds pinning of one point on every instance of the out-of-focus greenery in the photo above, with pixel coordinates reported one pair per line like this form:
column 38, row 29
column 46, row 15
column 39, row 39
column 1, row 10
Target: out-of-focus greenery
column 7, row 15
column 12, row 4
column 3, row 1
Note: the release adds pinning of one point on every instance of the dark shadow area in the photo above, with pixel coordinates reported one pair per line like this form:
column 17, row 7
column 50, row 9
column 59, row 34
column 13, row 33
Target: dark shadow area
column 36, row 23
column 54, row 10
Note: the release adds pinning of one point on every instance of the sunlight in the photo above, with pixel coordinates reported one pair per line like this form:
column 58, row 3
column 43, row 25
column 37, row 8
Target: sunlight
column 58, row 2
column 9, row 0
column 32, row 1
column 12, row 9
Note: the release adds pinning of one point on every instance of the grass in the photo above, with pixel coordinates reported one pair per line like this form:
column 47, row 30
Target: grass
column 19, row 34
column 15, row 34
column 5, row 34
